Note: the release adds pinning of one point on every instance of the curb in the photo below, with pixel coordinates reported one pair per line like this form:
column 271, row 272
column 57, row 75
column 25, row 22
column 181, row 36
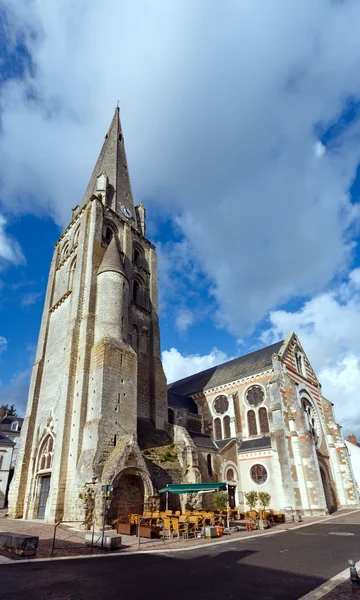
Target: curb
column 329, row 585
column 187, row 548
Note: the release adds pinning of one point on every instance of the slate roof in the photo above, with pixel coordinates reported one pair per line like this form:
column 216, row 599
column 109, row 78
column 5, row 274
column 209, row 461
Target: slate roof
column 202, row 440
column 229, row 371
column 222, row 443
column 5, row 424
column 5, row 440
column 184, row 402
column 255, row 444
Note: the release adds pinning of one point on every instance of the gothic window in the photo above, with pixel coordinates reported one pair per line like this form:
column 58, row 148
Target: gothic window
column 221, row 405
column 71, row 274
column 209, row 465
column 263, row 420
column 227, row 432
column 137, row 257
column 299, row 361
column 251, row 418
column 108, row 234
column 230, row 475
column 136, row 292
column 311, row 419
column 255, row 395
column 258, row 474
column 65, row 250
column 46, row 454
column 217, row 429
column 76, row 234
column 171, row 418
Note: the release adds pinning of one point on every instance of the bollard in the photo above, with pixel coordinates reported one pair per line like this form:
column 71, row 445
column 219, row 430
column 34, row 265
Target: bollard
column 354, row 577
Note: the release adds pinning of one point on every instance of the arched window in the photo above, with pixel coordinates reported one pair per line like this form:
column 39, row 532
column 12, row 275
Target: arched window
column 76, row 234
column 137, row 292
column 299, row 361
column 171, row 417
column 46, row 454
column 209, row 465
column 227, row 432
column 65, row 250
column 71, row 274
column 217, row 429
column 230, row 475
column 251, row 418
column 311, row 419
column 137, row 257
column 263, row 419
column 108, row 234
column 14, row 426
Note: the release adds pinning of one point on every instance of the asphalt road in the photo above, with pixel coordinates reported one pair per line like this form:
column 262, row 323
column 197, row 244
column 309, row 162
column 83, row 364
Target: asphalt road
column 284, row 566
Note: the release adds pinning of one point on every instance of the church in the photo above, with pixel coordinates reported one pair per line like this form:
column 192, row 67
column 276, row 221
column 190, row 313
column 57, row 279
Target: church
column 100, row 413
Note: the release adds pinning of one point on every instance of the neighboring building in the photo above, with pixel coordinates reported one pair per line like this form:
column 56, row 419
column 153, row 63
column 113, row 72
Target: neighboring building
column 11, row 428
column 269, row 408
column 98, row 412
column 6, row 452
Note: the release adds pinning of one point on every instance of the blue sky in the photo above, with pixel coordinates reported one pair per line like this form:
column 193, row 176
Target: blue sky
column 242, row 129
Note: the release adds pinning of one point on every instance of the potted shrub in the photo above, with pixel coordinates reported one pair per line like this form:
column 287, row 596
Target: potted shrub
column 251, row 499
column 264, row 499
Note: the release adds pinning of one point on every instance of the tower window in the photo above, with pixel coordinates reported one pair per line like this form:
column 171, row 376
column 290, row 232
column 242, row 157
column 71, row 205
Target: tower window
column 136, row 292
column 171, row 417
column 108, row 234
column 137, row 257
column 209, row 465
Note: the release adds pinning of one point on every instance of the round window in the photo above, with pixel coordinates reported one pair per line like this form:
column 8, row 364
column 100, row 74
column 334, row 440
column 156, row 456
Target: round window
column 255, row 395
column 221, row 405
column 258, row 474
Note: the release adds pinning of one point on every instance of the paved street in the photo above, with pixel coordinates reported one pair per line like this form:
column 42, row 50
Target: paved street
column 284, row 566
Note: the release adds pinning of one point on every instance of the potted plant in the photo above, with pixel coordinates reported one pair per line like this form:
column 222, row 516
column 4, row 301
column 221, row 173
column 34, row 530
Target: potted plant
column 264, row 499
column 251, row 499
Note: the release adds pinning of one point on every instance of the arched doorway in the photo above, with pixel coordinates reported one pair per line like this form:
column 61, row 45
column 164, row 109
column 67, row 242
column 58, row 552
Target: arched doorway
column 128, row 496
column 327, row 490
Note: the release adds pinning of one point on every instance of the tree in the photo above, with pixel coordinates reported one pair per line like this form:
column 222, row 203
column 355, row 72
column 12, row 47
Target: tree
column 264, row 499
column 251, row 499
column 9, row 410
column 221, row 500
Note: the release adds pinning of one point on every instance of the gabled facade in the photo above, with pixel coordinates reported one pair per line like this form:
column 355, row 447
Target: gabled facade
column 269, row 406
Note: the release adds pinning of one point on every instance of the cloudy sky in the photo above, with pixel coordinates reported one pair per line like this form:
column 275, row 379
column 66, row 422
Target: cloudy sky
column 242, row 125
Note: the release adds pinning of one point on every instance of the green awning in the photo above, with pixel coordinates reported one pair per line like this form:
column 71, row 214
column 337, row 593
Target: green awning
column 192, row 488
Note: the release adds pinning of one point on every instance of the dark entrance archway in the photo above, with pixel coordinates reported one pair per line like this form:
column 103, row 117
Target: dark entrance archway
column 128, row 497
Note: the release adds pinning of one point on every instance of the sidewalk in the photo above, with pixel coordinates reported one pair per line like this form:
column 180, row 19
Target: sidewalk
column 74, row 540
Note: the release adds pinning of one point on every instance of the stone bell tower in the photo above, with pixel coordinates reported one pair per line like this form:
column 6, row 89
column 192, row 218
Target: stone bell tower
column 97, row 368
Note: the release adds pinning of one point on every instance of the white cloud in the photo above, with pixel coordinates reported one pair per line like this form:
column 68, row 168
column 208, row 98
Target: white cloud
column 16, row 392
column 184, row 319
column 222, row 134
column 328, row 326
column 177, row 365
column 3, row 344
column 30, row 298
column 10, row 251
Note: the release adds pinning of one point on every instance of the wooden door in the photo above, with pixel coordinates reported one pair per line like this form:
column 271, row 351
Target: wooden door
column 44, row 492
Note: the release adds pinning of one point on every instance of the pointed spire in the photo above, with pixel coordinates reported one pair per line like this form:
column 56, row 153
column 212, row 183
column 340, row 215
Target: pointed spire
column 112, row 259
column 112, row 161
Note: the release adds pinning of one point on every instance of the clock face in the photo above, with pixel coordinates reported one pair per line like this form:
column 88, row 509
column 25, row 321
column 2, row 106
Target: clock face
column 126, row 211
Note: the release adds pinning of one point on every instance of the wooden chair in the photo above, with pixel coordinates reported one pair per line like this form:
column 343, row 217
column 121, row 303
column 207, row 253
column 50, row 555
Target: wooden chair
column 193, row 524
column 166, row 526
